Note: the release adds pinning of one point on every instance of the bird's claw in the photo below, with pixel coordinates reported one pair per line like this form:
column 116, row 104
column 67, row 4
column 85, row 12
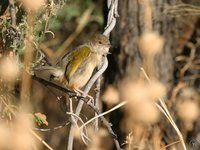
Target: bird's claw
column 85, row 95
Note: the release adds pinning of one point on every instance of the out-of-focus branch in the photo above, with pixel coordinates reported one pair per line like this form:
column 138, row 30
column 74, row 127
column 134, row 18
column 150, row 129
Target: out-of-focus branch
column 189, row 61
column 97, row 101
column 13, row 12
column 28, row 57
column 182, row 10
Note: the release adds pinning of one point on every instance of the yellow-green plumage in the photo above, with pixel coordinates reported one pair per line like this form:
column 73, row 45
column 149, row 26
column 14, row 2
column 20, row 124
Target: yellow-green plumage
column 78, row 65
column 76, row 59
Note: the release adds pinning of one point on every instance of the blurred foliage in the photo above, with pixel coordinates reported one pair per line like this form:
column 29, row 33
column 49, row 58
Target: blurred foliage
column 55, row 22
column 72, row 11
column 56, row 16
column 40, row 119
column 12, row 37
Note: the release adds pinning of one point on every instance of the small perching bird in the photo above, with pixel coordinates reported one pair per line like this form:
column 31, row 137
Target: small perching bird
column 77, row 66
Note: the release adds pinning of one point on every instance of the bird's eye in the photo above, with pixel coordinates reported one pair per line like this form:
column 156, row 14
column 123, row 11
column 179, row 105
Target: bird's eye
column 100, row 42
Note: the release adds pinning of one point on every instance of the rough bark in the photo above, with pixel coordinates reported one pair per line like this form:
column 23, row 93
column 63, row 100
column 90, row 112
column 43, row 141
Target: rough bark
column 126, row 58
column 129, row 27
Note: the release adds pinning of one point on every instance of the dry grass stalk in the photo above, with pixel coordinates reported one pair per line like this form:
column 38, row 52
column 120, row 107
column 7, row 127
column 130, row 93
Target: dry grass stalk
column 163, row 108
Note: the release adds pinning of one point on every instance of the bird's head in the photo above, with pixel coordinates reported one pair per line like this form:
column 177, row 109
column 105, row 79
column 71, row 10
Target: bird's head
column 100, row 44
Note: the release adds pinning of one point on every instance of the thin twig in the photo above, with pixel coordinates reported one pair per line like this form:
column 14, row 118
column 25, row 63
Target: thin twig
column 52, row 128
column 173, row 143
column 83, row 135
column 96, row 102
column 104, row 113
column 41, row 140
column 189, row 61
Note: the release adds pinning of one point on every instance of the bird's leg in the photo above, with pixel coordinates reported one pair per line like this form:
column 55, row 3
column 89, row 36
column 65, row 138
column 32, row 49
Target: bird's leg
column 82, row 93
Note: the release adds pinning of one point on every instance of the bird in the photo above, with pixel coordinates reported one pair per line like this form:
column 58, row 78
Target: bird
column 77, row 66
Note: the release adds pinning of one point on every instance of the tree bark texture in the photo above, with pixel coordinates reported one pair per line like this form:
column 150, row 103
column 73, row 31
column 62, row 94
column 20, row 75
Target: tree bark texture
column 126, row 58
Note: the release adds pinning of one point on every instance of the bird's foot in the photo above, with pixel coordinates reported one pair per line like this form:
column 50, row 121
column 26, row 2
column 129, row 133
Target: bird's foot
column 85, row 95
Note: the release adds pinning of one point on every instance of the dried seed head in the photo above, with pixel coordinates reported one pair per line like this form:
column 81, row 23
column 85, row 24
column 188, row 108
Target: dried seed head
column 150, row 43
column 140, row 105
column 188, row 111
column 111, row 95
column 9, row 69
column 33, row 5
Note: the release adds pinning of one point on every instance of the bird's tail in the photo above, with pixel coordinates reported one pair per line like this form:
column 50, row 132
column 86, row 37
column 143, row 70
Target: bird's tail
column 55, row 72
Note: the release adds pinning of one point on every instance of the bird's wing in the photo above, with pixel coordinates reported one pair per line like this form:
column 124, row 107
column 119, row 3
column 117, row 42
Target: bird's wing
column 76, row 58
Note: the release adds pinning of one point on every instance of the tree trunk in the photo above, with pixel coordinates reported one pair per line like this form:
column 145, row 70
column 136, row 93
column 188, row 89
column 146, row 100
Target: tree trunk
column 136, row 18
column 130, row 26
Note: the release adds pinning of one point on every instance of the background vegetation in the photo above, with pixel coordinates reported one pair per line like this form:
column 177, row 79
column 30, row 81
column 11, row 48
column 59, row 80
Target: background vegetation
column 154, row 60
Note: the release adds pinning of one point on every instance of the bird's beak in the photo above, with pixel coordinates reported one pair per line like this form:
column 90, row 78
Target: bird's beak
column 107, row 53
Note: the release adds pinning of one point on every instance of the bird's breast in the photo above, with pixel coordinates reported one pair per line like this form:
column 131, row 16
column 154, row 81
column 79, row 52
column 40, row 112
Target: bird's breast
column 84, row 73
